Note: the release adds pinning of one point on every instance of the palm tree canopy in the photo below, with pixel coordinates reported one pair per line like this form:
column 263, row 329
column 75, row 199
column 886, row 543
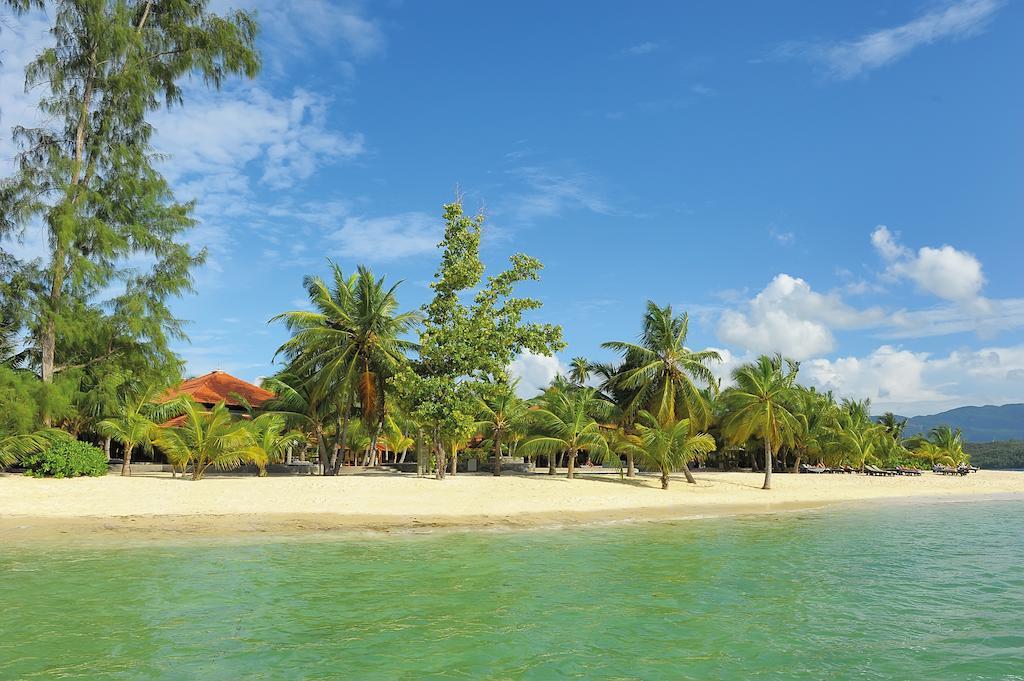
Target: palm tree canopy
column 565, row 421
column 669, row 446
column 756, row 404
column 661, row 373
column 213, row 438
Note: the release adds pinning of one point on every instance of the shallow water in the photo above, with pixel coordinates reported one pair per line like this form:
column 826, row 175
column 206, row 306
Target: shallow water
column 923, row 591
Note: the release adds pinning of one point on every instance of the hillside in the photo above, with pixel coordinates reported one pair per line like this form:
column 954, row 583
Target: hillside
column 979, row 424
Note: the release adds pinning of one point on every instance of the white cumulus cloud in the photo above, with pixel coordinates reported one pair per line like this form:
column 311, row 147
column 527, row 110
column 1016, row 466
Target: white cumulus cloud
column 946, row 272
column 534, row 372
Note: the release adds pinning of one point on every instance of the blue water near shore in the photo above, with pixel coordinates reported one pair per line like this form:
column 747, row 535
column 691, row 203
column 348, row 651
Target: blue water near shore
column 921, row 591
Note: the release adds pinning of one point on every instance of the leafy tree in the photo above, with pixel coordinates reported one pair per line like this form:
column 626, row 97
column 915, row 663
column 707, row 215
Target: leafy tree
column 460, row 344
column 669, row 447
column 88, row 176
column 64, row 457
column 14, row 447
column 209, row 439
column 945, row 445
column 660, row 374
column 565, row 424
column 756, row 407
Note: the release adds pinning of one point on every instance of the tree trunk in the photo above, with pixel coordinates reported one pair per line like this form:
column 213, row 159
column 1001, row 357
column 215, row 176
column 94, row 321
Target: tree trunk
column 497, row 454
column 796, row 464
column 455, row 460
column 373, row 442
column 630, row 468
column 571, row 464
column 126, row 465
column 688, row 474
column 767, row 465
column 664, row 478
column 321, row 452
column 439, row 455
column 106, row 448
column 551, row 464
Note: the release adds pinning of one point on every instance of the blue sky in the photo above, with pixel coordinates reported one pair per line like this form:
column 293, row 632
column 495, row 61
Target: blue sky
column 737, row 160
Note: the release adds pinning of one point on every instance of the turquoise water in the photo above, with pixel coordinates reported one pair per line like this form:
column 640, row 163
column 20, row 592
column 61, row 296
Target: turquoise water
column 932, row 591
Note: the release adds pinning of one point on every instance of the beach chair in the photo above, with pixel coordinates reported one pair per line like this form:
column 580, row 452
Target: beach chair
column 804, row 468
column 907, row 471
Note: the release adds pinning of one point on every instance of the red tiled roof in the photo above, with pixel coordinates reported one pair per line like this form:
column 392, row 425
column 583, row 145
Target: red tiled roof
column 218, row 386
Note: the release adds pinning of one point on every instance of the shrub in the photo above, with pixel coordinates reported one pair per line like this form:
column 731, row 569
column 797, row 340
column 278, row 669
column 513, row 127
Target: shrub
column 66, row 457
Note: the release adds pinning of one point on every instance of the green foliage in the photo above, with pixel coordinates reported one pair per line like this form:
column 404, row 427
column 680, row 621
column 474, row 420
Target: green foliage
column 1005, row 454
column 88, row 176
column 670, row 447
column 65, row 457
column 659, row 374
column 210, row 439
column 567, row 422
column 461, row 344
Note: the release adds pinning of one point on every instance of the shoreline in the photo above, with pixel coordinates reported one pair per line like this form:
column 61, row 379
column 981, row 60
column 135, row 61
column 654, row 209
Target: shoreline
column 157, row 507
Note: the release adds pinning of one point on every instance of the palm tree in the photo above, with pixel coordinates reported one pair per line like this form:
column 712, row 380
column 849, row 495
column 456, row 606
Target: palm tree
column 756, row 407
column 270, row 439
column 817, row 420
column 892, row 424
column 946, row 445
column 671, row 447
column 350, row 344
column 135, row 422
column 661, row 373
column 210, row 439
column 620, row 442
column 565, row 424
column 500, row 412
column 860, row 441
column 14, row 447
column 302, row 401
column 579, row 370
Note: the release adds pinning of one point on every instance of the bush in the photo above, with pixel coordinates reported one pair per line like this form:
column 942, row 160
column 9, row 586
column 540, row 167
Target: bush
column 66, row 457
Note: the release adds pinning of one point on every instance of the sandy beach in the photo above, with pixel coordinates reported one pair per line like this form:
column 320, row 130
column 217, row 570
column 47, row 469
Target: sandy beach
column 158, row 505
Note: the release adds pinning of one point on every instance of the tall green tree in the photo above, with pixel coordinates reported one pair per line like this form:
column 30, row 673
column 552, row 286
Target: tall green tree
column 579, row 370
column 88, row 174
column 660, row 375
column 756, row 407
column 463, row 344
column 670, row 447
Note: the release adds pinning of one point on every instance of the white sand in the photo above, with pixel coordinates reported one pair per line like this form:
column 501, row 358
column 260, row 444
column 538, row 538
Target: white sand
column 159, row 504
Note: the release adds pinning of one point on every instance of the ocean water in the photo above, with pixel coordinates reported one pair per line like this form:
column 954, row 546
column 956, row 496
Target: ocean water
column 923, row 591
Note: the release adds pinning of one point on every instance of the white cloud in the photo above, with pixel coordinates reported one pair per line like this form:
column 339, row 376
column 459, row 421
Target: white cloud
column 851, row 58
column 550, row 193
column 640, row 49
column 783, row 237
column 912, row 383
column 292, row 24
column 787, row 316
column 534, row 372
column 945, row 271
column 388, row 237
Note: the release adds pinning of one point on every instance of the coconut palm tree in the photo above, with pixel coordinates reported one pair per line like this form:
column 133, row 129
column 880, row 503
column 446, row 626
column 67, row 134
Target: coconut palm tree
column 945, row 445
column 756, row 407
column 579, row 370
column 817, row 417
column 670, row 447
column 350, row 344
column 210, row 439
column 565, row 423
column 661, row 374
column 860, row 442
column 270, row 439
column 892, row 424
column 14, row 447
column 135, row 422
column 303, row 403
column 500, row 413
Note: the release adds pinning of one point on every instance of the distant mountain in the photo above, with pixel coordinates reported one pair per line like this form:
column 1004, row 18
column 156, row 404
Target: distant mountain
column 979, row 424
